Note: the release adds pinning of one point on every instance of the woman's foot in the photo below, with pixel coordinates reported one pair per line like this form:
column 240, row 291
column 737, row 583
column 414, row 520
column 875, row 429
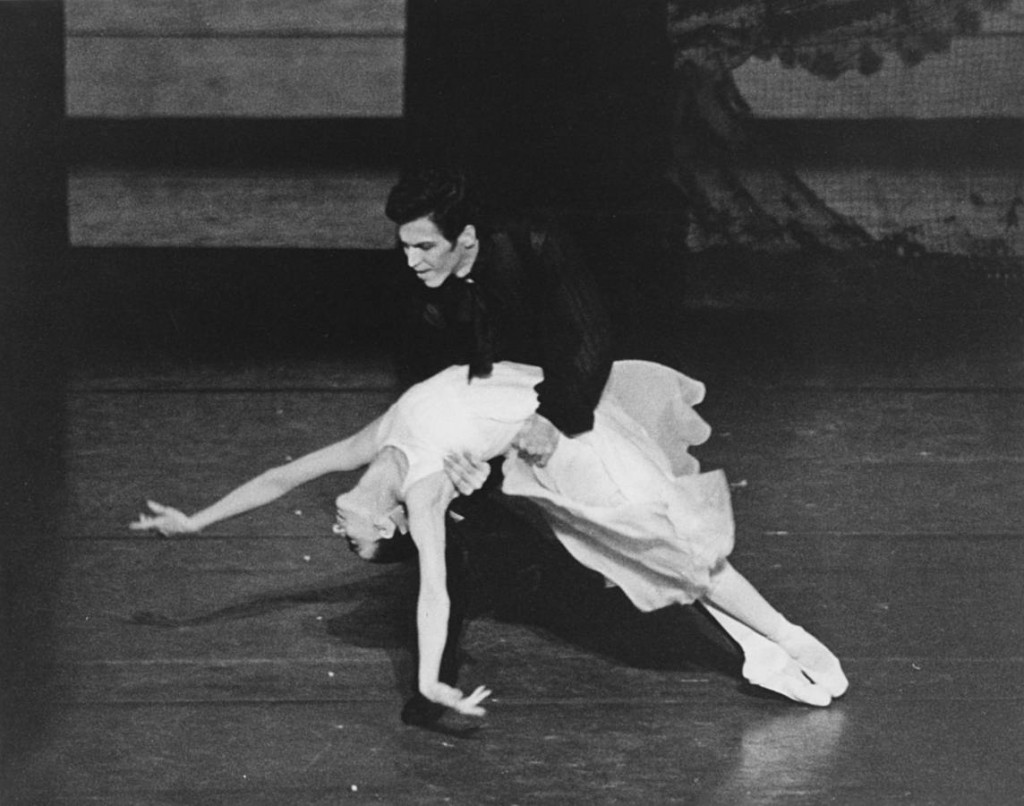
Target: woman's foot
column 815, row 660
column 768, row 666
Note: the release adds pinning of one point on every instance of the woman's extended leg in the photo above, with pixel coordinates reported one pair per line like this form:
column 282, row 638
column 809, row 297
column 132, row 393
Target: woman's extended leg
column 732, row 593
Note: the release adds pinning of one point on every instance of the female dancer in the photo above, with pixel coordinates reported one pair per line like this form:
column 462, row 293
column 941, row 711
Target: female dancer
column 626, row 499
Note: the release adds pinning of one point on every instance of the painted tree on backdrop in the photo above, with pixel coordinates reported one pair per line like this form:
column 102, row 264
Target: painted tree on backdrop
column 739, row 192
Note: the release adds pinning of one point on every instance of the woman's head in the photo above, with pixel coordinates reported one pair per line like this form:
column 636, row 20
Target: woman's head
column 368, row 516
column 371, row 545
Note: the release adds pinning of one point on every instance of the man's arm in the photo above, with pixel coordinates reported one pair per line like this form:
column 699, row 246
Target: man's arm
column 575, row 335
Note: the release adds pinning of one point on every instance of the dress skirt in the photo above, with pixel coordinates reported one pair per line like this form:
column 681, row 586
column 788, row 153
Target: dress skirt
column 627, row 499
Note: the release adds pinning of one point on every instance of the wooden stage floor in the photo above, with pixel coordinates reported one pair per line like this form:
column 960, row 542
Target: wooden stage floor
column 878, row 475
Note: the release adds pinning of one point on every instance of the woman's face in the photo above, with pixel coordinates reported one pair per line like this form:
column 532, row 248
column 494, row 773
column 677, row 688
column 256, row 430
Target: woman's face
column 358, row 529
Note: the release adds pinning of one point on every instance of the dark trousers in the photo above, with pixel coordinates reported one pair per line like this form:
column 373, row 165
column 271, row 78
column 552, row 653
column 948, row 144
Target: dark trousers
column 502, row 561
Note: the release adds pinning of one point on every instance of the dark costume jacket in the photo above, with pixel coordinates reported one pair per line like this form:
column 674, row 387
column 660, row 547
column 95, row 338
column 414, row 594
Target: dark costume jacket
column 528, row 298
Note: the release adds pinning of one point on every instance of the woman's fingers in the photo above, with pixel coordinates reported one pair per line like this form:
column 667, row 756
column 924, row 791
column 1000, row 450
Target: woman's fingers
column 470, row 705
column 451, row 697
column 166, row 521
column 147, row 522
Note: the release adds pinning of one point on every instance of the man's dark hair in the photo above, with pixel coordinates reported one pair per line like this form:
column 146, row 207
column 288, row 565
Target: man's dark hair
column 438, row 194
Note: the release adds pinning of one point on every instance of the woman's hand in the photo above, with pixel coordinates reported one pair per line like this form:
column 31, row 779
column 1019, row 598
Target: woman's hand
column 466, row 473
column 453, row 698
column 166, row 521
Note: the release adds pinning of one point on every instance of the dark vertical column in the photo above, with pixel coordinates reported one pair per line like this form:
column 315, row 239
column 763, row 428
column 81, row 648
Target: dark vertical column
column 33, row 250
column 547, row 100
column 563, row 106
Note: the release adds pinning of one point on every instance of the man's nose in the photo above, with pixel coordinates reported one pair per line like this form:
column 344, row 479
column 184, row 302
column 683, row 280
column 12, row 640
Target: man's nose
column 412, row 257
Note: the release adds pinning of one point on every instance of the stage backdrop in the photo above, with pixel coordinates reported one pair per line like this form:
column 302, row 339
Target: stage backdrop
column 315, row 105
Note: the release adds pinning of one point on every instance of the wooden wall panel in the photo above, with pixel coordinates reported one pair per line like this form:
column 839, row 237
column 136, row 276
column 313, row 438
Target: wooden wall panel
column 341, row 210
column 234, row 17
column 247, row 77
column 235, row 58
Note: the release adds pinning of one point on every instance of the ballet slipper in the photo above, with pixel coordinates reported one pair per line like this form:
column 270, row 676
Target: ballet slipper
column 768, row 666
column 815, row 659
column 793, row 684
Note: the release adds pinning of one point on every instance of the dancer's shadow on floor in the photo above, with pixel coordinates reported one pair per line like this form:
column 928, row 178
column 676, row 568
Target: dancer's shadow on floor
column 510, row 573
column 525, row 576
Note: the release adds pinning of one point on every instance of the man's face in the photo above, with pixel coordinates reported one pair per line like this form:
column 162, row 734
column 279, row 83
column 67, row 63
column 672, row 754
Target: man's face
column 429, row 253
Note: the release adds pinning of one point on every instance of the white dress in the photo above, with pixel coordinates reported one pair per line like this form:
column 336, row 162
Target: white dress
column 625, row 499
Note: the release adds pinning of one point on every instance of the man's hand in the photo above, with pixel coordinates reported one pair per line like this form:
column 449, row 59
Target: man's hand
column 536, row 440
column 466, row 472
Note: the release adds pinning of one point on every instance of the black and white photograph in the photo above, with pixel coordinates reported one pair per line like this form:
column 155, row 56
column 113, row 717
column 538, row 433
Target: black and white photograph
column 428, row 402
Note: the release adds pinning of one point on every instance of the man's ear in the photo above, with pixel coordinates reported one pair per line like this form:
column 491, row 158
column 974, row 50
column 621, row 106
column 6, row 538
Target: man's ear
column 385, row 527
column 467, row 238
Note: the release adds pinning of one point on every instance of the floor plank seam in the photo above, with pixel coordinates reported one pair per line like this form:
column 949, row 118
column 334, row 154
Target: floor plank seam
column 582, row 701
column 207, row 663
column 873, row 389
column 266, row 390
column 203, row 538
column 742, row 534
column 233, row 390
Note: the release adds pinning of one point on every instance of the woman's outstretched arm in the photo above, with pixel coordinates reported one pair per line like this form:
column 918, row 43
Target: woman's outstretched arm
column 427, row 501
column 348, row 454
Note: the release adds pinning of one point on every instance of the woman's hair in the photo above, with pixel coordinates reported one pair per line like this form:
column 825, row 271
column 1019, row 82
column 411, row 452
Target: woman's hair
column 396, row 549
column 438, row 194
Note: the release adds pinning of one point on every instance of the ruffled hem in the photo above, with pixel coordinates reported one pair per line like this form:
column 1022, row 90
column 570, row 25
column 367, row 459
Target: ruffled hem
column 648, row 521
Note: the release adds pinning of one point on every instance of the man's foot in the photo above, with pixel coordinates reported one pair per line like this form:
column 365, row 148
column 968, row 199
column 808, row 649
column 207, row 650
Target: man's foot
column 815, row 659
column 419, row 712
